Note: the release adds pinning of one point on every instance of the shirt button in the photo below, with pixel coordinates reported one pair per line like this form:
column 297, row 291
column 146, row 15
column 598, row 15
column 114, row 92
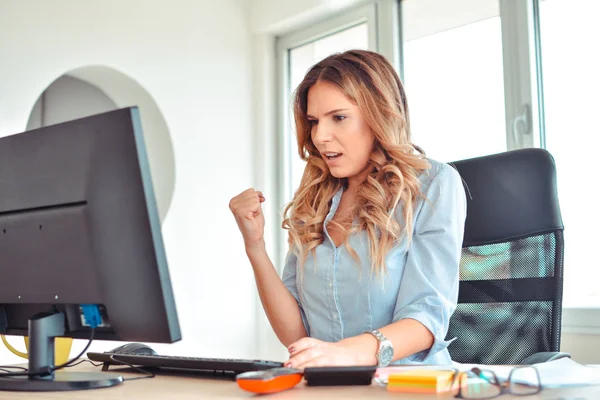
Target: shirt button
column 330, row 284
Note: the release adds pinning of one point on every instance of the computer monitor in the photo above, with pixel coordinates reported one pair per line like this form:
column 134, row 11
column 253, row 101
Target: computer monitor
column 79, row 226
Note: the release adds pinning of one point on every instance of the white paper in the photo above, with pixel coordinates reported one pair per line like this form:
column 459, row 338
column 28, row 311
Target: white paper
column 566, row 372
column 563, row 372
column 558, row 373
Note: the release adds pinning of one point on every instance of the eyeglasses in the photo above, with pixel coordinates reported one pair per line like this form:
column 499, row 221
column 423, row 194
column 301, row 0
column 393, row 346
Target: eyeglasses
column 484, row 384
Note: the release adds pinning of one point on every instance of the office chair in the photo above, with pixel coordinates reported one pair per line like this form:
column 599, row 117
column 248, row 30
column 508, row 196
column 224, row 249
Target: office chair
column 511, row 270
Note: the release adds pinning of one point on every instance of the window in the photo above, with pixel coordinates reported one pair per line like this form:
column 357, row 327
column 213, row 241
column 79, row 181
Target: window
column 453, row 74
column 455, row 91
column 474, row 75
column 569, row 33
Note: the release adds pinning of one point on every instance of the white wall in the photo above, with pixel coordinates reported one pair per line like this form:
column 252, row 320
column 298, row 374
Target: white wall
column 426, row 16
column 124, row 92
column 66, row 99
column 193, row 57
column 583, row 347
column 268, row 16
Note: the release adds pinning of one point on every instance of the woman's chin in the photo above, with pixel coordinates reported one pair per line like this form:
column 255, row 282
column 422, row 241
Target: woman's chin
column 336, row 173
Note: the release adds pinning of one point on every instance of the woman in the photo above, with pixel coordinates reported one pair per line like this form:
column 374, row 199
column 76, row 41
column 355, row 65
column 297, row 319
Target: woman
column 375, row 228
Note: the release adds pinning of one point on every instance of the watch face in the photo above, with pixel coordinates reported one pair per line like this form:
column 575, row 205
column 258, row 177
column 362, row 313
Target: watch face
column 387, row 354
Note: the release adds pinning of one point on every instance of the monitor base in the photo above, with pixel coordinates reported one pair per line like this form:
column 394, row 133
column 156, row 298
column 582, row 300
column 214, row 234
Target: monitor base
column 62, row 381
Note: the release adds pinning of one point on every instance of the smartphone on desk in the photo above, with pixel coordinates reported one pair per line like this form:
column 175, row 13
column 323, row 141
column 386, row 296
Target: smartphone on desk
column 339, row 376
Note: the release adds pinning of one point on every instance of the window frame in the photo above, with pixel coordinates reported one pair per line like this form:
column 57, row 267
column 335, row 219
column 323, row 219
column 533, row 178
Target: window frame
column 521, row 44
column 382, row 19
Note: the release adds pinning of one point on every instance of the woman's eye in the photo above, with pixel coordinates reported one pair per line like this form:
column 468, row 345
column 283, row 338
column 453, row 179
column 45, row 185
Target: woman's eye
column 339, row 118
column 313, row 122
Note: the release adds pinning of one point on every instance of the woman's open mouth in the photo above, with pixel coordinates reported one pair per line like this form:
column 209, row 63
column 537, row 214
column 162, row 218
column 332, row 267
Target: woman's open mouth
column 332, row 156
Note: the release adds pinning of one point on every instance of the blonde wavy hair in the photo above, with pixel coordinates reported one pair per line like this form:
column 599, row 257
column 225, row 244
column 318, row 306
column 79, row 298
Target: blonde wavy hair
column 368, row 80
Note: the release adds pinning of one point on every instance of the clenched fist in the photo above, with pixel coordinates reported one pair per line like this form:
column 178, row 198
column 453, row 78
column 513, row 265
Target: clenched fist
column 246, row 208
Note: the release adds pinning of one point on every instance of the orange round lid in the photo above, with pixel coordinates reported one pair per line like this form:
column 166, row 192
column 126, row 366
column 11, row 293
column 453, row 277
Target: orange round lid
column 270, row 380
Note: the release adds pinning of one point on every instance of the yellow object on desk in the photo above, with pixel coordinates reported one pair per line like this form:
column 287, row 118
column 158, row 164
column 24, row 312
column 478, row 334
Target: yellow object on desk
column 421, row 381
column 62, row 349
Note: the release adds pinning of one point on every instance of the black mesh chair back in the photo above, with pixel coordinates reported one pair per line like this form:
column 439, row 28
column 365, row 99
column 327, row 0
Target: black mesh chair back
column 511, row 270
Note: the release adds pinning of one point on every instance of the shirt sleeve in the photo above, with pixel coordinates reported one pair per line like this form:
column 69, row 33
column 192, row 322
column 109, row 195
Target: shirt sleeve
column 429, row 287
column 289, row 280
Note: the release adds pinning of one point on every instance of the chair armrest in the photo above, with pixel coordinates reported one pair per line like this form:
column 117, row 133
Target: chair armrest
column 544, row 356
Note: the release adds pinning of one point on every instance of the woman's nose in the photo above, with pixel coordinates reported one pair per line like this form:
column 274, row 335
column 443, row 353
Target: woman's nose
column 322, row 133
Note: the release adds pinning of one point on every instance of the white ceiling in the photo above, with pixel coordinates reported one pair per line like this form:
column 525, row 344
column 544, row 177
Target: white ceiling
column 426, row 17
column 420, row 17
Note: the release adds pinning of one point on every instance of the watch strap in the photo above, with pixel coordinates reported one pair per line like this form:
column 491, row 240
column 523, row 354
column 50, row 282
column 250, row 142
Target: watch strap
column 378, row 335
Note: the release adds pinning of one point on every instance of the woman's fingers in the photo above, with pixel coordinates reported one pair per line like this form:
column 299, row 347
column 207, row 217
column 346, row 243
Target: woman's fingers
column 304, row 357
column 303, row 344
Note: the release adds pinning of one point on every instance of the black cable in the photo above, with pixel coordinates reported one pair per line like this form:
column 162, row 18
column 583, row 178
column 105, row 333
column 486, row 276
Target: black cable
column 7, row 369
column 73, row 362
column 26, row 373
column 50, row 370
column 13, row 367
column 68, row 363
column 149, row 374
column 82, row 361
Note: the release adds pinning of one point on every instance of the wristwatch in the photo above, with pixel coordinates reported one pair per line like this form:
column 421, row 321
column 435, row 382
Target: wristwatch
column 385, row 351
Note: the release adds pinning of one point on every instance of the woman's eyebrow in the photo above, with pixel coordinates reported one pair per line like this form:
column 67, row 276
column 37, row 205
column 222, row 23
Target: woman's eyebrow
column 328, row 112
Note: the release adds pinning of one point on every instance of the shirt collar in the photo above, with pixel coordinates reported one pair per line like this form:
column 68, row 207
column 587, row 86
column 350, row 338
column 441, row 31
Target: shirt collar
column 335, row 202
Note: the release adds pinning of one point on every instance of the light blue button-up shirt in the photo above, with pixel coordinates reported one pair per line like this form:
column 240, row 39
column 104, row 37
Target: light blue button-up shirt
column 340, row 299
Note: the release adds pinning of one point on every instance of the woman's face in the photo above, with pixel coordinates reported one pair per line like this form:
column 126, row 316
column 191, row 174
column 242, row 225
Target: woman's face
column 339, row 132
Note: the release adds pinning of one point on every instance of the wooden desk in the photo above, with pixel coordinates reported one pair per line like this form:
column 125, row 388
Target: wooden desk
column 191, row 387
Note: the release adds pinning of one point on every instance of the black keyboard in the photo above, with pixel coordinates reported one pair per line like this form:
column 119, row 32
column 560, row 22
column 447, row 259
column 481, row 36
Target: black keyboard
column 210, row 366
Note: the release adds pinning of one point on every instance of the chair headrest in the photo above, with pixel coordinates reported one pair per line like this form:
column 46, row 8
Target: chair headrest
column 509, row 195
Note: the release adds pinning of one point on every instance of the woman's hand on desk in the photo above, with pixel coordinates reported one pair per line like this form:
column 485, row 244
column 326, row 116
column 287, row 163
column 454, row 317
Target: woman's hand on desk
column 310, row 352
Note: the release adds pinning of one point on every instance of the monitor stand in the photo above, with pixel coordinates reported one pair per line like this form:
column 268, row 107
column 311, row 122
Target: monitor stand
column 43, row 328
